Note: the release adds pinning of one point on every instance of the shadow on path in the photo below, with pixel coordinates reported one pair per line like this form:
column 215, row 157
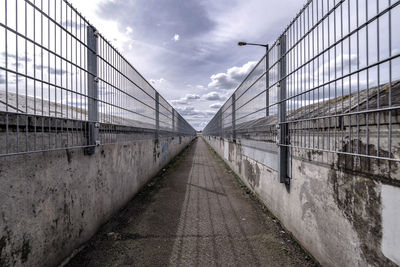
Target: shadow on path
column 195, row 214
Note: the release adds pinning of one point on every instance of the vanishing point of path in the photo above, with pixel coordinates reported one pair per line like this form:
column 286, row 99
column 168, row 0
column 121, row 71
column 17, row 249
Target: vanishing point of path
column 194, row 214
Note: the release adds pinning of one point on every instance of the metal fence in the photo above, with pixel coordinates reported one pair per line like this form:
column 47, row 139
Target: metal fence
column 330, row 83
column 63, row 85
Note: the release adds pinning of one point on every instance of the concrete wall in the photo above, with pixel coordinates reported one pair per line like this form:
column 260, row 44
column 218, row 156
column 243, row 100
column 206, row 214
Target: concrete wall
column 53, row 202
column 344, row 210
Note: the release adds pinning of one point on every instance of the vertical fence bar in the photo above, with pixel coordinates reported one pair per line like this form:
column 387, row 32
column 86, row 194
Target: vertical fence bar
column 157, row 103
column 93, row 124
column 267, row 81
column 234, row 117
column 282, row 126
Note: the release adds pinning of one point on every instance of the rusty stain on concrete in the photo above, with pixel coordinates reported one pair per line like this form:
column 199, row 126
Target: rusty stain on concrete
column 252, row 172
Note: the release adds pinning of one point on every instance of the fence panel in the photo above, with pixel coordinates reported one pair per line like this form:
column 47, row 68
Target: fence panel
column 338, row 82
column 61, row 82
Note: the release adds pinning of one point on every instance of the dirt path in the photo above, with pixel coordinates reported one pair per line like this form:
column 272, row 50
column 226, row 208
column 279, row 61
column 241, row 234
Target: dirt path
column 195, row 214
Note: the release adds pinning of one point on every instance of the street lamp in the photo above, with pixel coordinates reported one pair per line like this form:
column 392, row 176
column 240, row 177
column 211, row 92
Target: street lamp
column 266, row 72
column 245, row 43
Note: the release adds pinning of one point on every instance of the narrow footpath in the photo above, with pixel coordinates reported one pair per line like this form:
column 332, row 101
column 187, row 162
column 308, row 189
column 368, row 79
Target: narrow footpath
column 196, row 213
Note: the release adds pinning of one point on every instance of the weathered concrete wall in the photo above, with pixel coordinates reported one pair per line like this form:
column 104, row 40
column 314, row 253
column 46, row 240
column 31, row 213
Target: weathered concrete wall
column 344, row 210
column 52, row 202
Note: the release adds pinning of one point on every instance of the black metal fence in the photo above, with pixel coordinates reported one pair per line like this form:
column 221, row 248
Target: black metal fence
column 329, row 83
column 63, row 85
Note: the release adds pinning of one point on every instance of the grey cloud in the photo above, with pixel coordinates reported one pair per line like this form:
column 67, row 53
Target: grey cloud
column 185, row 100
column 215, row 106
column 207, row 44
column 158, row 20
column 192, row 96
column 154, row 23
column 52, row 70
column 193, row 113
column 213, row 96
column 20, row 58
column 336, row 63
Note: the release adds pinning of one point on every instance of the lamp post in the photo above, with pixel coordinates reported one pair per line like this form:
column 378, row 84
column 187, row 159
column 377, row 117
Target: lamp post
column 245, row 43
column 266, row 73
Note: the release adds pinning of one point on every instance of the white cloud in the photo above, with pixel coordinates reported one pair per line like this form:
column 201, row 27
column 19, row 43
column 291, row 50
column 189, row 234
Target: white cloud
column 128, row 30
column 215, row 105
column 157, row 81
column 176, row 37
column 231, row 78
column 185, row 100
column 213, row 96
column 110, row 29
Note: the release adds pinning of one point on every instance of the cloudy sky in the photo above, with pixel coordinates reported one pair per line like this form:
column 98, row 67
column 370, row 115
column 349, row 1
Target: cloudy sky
column 187, row 48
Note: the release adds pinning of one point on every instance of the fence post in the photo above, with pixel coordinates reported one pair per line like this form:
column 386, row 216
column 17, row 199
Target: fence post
column 221, row 126
column 157, row 102
column 282, row 126
column 93, row 112
column 218, row 125
column 234, row 117
column 173, row 122
column 267, row 81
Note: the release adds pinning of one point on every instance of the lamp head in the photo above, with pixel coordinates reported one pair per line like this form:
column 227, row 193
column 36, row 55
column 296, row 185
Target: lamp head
column 242, row 43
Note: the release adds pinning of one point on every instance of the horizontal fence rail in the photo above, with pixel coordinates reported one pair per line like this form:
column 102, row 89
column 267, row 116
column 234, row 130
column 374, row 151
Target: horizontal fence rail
column 330, row 83
column 63, row 85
